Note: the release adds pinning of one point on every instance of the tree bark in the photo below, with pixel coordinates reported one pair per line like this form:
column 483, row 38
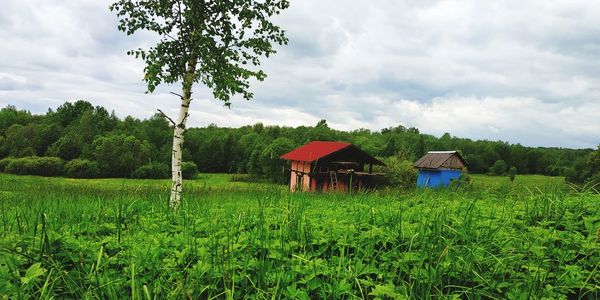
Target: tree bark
column 186, row 98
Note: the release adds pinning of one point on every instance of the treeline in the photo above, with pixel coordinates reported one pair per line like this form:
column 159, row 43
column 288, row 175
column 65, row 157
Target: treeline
column 91, row 142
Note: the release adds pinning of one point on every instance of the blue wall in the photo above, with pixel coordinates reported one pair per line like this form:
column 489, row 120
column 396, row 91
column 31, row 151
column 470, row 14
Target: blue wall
column 436, row 178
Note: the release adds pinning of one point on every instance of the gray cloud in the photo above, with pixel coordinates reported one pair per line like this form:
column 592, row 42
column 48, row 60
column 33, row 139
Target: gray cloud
column 522, row 71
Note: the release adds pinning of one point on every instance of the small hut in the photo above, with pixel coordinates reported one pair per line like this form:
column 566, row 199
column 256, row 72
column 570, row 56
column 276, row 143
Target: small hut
column 439, row 168
column 326, row 166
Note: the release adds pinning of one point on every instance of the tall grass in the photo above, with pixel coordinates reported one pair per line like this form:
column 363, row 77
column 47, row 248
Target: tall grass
column 66, row 238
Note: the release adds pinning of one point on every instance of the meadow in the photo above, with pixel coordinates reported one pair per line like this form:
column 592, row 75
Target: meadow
column 115, row 238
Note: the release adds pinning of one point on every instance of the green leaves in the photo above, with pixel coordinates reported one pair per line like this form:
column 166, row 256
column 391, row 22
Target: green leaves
column 226, row 38
column 33, row 273
column 385, row 292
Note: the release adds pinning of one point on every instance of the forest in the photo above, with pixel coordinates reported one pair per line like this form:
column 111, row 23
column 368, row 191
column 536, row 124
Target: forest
column 81, row 140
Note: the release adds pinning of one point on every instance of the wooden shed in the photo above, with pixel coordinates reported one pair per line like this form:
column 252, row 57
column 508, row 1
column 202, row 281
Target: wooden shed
column 439, row 168
column 326, row 166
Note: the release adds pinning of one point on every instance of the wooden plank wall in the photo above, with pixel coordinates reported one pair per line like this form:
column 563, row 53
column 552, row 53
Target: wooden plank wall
column 300, row 167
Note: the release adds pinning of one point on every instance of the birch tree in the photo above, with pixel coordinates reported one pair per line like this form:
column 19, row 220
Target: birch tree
column 217, row 43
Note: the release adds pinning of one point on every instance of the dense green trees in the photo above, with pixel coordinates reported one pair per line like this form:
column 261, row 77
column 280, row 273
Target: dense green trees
column 272, row 166
column 10, row 116
column 119, row 154
column 592, row 170
column 111, row 147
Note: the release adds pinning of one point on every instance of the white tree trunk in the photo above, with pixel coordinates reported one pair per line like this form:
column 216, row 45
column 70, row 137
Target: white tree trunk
column 177, row 184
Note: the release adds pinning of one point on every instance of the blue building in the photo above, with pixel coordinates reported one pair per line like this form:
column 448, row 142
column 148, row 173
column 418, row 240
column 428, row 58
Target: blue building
column 439, row 168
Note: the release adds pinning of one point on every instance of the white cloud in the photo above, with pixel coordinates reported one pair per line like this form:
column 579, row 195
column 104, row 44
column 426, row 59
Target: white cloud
column 522, row 71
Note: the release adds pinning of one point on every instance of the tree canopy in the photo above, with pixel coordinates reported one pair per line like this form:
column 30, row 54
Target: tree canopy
column 223, row 39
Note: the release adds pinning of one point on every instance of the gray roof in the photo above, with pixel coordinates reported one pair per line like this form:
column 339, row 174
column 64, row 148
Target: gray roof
column 441, row 160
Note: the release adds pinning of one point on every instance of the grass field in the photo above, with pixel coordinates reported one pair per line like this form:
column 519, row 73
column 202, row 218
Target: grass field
column 114, row 239
column 521, row 181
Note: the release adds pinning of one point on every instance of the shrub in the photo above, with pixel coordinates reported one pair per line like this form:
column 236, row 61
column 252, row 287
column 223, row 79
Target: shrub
column 512, row 172
column 33, row 165
column 82, row 168
column 17, row 166
column 189, row 170
column 399, row 172
column 463, row 181
column 48, row 166
column 151, row 171
column 4, row 162
column 498, row 168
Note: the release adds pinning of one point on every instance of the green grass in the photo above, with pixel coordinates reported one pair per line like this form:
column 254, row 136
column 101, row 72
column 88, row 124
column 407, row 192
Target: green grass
column 525, row 181
column 114, row 239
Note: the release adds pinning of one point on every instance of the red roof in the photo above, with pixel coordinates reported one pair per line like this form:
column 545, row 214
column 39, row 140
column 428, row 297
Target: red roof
column 314, row 150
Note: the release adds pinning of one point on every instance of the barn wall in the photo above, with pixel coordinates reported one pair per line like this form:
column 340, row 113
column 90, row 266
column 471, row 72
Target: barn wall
column 293, row 176
column 305, row 182
column 425, row 177
column 447, row 176
column 313, row 184
column 436, row 178
column 306, row 179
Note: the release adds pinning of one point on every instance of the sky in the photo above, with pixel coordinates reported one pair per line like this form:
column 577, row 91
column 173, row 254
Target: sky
column 521, row 71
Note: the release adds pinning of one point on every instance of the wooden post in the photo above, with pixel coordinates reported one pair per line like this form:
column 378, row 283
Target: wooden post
column 350, row 187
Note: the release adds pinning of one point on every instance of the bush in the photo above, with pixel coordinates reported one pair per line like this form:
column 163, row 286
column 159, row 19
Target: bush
column 189, row 170
column 399, row 172
column 33, row 165
column 498, row 168
column 4, row 162
column 48, row 166
column 152, row 171
column 512, row 172
column 18, row 166
column 118, row 155
column 463, row 182
column 82, row 168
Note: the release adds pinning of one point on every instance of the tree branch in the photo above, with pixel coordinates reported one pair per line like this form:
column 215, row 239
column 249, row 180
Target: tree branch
column 185, row 118
column 176, row 94
column 172, row 38
column 167, row 117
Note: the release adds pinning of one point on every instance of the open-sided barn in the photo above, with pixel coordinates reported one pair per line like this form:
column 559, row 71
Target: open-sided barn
column 325, row 166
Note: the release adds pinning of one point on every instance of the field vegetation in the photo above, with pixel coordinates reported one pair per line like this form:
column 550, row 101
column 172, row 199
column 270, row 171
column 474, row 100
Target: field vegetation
column 115, row 238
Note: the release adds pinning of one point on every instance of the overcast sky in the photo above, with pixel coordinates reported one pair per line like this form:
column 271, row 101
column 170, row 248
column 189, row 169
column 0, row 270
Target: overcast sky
column 522, row 71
